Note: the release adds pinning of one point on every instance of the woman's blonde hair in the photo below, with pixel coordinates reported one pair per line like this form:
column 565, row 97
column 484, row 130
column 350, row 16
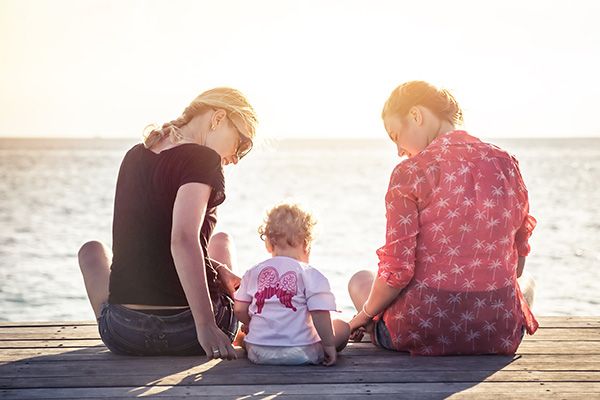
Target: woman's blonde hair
column 288, row 225
column 238, row 109
column 414, row 93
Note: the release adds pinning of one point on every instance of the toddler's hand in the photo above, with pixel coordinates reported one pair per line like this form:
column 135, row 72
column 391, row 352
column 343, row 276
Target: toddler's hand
column 330, row 355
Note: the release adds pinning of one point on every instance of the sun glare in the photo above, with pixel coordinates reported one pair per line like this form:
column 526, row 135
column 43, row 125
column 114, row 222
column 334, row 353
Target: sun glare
column 312, row 69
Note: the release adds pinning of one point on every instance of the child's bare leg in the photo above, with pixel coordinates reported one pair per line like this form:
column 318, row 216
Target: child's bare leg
column 527, row 285
column 341, row 333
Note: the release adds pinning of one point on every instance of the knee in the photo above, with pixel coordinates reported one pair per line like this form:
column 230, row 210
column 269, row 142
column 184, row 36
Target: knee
column 341, row 328
column 221, row 239
column 359, row 279
column 341, row 331
column 527, row 285
column 88, row 250
column 526, row 281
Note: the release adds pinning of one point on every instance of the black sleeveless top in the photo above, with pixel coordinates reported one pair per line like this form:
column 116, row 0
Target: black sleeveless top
column 143, row 270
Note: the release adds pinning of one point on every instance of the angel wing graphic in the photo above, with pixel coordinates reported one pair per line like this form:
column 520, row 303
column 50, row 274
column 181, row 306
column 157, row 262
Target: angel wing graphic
column 269, row 285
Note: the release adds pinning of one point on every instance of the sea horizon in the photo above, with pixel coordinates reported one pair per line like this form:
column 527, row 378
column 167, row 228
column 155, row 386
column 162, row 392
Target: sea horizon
column 58, row 193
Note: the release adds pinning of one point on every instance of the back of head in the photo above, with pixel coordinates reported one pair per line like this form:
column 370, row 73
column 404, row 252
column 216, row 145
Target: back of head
column 415, row 93
column 288, row 225
column 235, row 104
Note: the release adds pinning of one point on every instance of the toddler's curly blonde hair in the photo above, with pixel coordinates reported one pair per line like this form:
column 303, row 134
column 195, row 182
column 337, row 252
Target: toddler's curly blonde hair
column 288, row 225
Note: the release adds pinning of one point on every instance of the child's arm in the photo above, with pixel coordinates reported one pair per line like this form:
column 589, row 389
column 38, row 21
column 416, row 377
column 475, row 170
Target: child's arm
column 322, row 322
column 240, row 309
column 242, row 300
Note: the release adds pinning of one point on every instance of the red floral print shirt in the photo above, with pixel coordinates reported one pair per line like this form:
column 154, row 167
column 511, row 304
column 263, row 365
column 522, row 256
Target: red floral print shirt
column 457, row 221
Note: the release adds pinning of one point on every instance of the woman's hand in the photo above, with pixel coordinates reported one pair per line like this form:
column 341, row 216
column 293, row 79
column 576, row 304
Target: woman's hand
column 215, row 343
column 357, row 335
column 330, row 355
column 358, row 321
column 359, row 325
column 229, row 280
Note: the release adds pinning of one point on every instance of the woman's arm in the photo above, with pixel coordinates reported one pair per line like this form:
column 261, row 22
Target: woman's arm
column 229, row 281
column 188, row 215
column 520, row 266
column 380, row 297
column 397, row 257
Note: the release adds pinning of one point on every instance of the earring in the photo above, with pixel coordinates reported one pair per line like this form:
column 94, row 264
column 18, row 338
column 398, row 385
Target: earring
column 212, row 128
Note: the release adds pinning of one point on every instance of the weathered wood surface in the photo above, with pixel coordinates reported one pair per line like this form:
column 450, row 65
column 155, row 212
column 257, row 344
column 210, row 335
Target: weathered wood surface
column 67, row 360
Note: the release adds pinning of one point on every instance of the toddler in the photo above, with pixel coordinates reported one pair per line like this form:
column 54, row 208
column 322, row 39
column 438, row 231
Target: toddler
column 285, row 302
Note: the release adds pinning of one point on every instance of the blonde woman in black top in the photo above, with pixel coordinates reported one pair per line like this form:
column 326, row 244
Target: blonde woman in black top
column 166, row 287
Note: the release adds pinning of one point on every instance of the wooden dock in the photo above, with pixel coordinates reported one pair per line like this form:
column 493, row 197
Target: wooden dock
column 53, row 360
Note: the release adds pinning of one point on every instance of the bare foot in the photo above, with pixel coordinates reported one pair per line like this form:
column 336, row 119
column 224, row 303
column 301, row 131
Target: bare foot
column 239, row 338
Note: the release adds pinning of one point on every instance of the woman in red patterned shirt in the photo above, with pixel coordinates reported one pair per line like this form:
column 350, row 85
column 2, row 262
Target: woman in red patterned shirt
column 450, row 272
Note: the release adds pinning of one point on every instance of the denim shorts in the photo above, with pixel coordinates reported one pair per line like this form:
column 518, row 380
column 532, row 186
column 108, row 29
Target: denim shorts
column 130, row 332
column 381, row 335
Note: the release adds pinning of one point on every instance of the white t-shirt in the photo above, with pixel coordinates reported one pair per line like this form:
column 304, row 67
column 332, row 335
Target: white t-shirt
column 281, row 291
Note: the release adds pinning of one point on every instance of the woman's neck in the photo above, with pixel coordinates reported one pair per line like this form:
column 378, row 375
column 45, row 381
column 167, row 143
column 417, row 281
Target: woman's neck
column 443, row 128
column 166, row 144
column 188, row 135
column 192, row 132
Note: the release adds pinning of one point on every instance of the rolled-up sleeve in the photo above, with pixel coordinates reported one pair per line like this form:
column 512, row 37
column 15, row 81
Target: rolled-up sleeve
column 242, row 294
column 317, row 291
column 529, row 222
column 397, row 256
column 523, row 234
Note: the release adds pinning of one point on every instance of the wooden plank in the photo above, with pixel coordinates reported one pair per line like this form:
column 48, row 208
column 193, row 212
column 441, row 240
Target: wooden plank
column 50, row 332
column 545, row 322
column 118, row 365
column 412, row 390
column 541, row 347
column 558, row 347
column 91, row 332
column 295, row 377
column 371, row 396
column 569, row 322
column 527, row 346
column 560, row 320
column 46, row 324
column 102, row 354
column 42, row 344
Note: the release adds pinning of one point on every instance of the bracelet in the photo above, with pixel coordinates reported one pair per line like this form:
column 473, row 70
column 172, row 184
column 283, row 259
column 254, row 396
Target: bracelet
column 364, row 310
column 219, row 266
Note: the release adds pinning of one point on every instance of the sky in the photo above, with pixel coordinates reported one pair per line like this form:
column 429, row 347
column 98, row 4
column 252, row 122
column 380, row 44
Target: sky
column 312, row 69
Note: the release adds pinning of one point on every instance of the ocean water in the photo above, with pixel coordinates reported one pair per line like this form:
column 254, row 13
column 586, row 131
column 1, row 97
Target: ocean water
column 57, row 194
